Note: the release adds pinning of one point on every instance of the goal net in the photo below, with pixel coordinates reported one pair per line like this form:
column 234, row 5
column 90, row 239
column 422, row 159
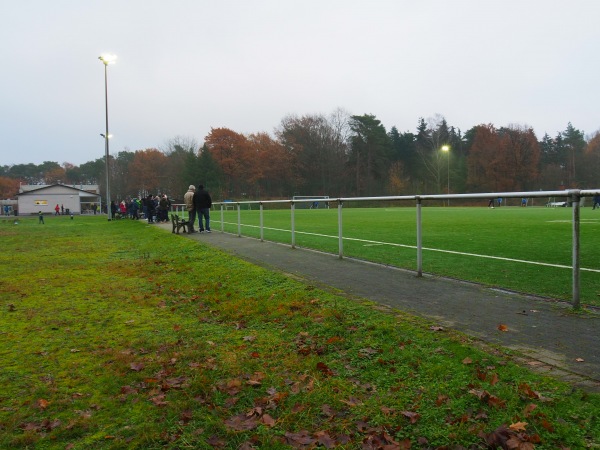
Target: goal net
column 313, row 201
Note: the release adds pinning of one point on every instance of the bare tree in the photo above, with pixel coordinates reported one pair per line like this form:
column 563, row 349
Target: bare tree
column 180, row 143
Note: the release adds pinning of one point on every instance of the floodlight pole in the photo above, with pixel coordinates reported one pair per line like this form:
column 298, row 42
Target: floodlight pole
column 446, row 148
column 106, row 60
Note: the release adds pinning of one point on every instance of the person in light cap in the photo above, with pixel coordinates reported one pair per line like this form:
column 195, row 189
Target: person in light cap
column 188, row 199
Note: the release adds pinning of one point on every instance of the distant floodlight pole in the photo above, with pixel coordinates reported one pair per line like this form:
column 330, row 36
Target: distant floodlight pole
column 106, row 60
column 446, row 148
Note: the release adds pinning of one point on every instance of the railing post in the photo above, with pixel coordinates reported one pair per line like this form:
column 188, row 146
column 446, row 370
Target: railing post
column 340, row 233
column 239, row 211
column 419, row 239
column 575, row 201
column 262, row 228
column 222, row 219
column 293, row 208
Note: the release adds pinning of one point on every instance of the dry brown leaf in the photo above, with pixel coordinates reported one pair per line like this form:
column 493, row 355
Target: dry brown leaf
column 268, row 420
column 136, row 366
column 352, row 401
column 534, row 363
column 441, row 400
column 325, row 370
column 494, row 379
column 529, row 409
column 518, row 426
column 412, row 416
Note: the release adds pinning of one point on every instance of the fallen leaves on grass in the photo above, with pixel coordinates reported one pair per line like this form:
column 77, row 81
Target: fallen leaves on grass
column 45, row 425
column 525, row 390
column 136, row 366
column 159, row 400
column 510, row 439
column 518, row 426
column 412, row 416
column 488, row 398
column 324, row 369
column 249, row 420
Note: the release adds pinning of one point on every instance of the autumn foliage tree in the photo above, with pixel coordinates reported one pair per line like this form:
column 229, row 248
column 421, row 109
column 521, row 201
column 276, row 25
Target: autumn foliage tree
column 591, row 163
column 503, row 160
column 272, row 172
column 484, row 158
column 9, row 187
column 233, row 153
column 521, row 155
column 147, row 174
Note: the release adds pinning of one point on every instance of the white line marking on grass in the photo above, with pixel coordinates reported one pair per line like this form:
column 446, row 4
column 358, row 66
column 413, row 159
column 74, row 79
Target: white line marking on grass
column 570, row 221
column 475, row 255
column 452, row 252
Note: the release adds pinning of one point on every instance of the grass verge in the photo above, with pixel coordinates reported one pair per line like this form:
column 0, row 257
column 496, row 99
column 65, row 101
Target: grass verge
column 119, row 335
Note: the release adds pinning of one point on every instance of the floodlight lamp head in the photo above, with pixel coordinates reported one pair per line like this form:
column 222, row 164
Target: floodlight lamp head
column 445, row 148
column 108, row 59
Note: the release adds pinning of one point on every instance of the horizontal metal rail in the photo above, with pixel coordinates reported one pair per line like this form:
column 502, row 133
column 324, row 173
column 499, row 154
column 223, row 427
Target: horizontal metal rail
column 573, row 196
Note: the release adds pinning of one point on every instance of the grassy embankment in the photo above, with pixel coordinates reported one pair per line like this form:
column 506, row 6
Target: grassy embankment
column 120, row 335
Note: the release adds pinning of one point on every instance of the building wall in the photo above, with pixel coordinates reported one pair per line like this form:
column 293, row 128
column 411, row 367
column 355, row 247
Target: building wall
column 45, row 200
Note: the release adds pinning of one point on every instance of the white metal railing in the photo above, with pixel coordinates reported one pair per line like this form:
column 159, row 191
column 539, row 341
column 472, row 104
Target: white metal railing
column 573, row 196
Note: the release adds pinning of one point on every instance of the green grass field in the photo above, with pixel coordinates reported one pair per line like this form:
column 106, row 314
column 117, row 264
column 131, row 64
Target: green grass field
column 122, row 335
column 459, row 242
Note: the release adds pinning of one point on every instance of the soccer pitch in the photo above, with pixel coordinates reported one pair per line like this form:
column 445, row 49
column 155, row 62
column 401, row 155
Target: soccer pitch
column 522, row 249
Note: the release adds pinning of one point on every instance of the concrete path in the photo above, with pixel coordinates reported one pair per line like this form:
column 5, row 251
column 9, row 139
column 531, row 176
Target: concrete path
column 547, row 335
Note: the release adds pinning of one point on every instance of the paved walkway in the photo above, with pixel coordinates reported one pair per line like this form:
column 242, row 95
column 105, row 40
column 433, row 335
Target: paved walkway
column 548, row 336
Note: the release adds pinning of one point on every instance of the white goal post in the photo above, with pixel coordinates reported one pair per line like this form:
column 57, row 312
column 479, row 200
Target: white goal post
column 313, row 201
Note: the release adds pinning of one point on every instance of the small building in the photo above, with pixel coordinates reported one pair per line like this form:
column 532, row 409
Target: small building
column 33, row 199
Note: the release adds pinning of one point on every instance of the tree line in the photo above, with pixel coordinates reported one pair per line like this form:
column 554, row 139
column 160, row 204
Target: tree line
column 339, row 155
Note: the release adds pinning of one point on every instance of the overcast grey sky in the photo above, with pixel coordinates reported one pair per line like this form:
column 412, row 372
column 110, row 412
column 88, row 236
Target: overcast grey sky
column 185, row 66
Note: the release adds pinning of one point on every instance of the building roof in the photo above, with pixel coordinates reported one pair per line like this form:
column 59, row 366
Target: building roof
column 90, row 188
column 37, row 189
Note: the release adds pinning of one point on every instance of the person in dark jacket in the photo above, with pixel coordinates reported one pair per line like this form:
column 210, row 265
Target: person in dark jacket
column 163, row 208
column 151, row 208
column 202, row 204
column 113, row 209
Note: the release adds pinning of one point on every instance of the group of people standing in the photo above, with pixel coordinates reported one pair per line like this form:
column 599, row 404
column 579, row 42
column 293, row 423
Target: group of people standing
column 154, row 208
column 198, row 203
